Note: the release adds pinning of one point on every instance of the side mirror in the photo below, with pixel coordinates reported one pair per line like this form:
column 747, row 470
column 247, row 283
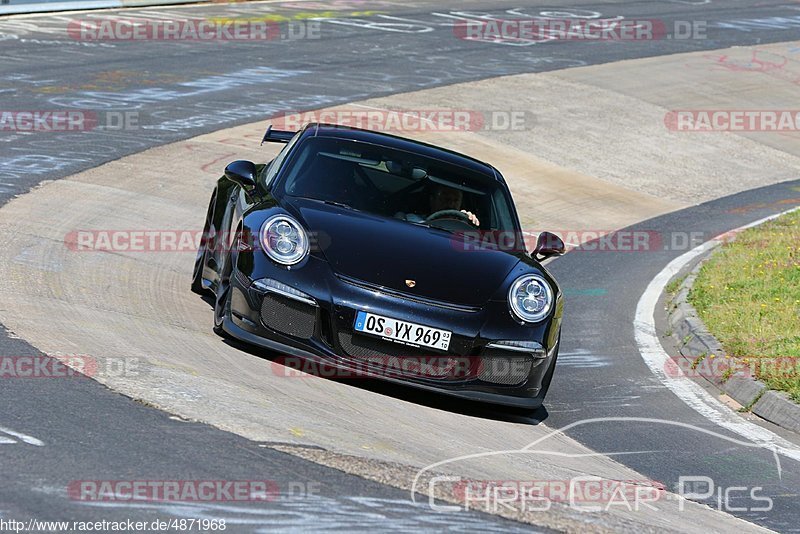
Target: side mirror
column 242, row 173
column 549, row 244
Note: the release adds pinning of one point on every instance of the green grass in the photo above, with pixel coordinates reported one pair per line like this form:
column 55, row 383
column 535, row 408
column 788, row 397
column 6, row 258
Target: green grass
column 675, row 286
column 748, row 295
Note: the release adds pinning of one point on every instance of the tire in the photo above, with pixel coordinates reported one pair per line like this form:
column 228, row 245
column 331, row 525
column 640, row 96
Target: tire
column 222, row 300
column 197, row 274
column 200, row 259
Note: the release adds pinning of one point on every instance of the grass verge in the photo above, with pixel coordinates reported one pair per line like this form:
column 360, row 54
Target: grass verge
column 748, row 295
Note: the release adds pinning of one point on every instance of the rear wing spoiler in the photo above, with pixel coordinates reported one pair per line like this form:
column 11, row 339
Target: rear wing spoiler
column 277, row 136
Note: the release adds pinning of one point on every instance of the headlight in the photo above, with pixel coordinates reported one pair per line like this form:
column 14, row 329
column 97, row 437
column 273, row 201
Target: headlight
column 284, row 240
column 530, row 298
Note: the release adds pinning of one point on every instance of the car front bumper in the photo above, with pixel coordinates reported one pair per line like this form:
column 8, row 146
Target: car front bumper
column 317, row 326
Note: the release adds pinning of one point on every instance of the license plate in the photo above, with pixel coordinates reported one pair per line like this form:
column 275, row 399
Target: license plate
column 412, row 334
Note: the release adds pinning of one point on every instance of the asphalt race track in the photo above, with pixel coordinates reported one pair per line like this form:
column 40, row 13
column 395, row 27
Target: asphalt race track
column 183, row 89
column 178, row 90
column 602, row 337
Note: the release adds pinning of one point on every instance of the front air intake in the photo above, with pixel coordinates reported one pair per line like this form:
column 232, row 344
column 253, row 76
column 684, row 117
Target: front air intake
column 288, row 316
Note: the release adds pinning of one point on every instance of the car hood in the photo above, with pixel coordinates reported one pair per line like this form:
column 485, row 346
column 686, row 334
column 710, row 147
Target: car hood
column 388, row 253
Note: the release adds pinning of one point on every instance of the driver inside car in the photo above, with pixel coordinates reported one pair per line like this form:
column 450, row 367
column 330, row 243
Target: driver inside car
column 443, row 198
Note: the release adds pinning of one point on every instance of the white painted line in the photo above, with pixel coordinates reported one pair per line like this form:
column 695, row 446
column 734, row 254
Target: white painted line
column 688, row 391
column 30, row 440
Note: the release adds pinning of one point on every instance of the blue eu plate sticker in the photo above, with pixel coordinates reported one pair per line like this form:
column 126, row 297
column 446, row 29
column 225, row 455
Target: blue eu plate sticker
column 360, row 318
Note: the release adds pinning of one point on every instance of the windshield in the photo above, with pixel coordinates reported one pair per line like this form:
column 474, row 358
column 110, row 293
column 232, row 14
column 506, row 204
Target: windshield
column 395, row 183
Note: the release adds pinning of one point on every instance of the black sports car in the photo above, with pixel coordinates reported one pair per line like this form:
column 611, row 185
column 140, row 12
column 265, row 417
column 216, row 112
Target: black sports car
column 380, row 256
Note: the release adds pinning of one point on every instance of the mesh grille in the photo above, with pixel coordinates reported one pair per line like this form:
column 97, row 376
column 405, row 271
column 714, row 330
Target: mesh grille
column 498, row 367
column 400, row 359
column 288, row 316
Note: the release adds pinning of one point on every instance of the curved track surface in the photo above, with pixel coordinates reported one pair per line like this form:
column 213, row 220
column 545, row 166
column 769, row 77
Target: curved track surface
column 605, row 377
column 181, row 89
column 184, row 89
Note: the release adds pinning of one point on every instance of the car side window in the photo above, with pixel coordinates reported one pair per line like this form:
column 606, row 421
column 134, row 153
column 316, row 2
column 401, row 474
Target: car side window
column 275, row 166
